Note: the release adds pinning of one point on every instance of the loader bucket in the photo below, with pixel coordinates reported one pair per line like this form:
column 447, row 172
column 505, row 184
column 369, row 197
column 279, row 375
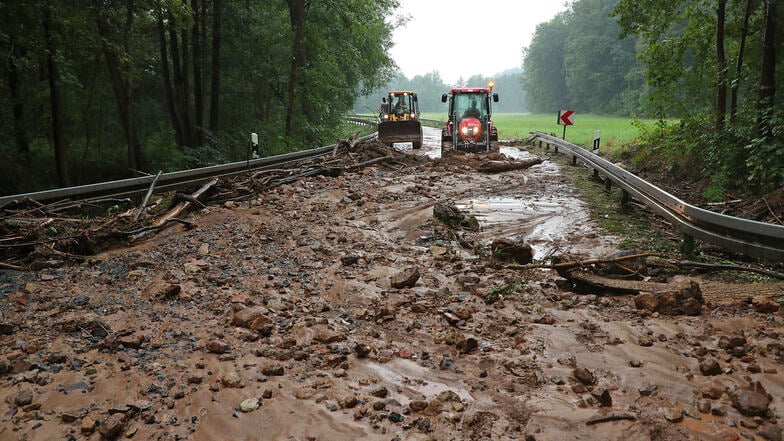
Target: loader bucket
column 390, row 132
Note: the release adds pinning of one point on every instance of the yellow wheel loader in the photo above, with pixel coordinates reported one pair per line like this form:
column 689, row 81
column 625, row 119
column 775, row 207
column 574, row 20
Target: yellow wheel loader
column 399, row 119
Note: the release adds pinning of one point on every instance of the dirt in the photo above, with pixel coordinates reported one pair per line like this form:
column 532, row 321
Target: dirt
column 151, row 341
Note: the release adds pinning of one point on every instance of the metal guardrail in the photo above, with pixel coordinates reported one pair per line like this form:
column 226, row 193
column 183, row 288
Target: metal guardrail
column 753, row 238
column 167, row 181
column 373, row 120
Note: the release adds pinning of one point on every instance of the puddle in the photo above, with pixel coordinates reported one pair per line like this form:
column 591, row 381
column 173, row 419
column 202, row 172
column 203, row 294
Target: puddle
column 414, row 380
column 547, row 223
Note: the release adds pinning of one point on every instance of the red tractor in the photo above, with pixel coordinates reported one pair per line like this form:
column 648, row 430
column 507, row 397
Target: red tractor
column 469, row 127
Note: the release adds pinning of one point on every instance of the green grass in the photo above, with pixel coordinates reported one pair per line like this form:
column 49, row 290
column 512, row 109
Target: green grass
column 616, row 131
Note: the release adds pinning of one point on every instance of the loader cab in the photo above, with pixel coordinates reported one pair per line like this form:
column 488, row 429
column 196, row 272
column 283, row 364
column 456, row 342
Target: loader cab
column 403, row 106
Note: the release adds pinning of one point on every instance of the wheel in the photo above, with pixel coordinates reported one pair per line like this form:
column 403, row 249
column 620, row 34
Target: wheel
column 446, row 148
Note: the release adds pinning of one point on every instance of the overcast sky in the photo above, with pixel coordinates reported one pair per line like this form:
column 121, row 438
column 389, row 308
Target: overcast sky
column 490, row 33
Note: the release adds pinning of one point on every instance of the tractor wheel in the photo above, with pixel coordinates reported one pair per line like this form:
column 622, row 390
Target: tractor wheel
column 446, row 148
column 416, row 145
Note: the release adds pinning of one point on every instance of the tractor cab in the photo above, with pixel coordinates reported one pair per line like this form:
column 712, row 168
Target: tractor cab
column 469, row 126
column 399, row 119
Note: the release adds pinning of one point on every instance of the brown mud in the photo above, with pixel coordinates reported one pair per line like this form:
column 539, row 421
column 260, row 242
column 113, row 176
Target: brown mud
column 153, row 342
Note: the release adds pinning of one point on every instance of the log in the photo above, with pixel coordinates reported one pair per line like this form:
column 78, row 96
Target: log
column 503, row 166
column 182, row 206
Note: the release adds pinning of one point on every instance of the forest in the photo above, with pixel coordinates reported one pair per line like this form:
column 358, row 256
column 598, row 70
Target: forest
column 707, row 69
column 96, row 90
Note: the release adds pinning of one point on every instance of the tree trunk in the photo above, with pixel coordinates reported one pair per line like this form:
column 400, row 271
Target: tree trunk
column 186, row 88
column 56, row 98
column 739, row 64
column 297, row 16
column 767, row 85
column 17, row 102
column 167, row 84
column 197, row 69
column 721, row 59
column 122, row 92
column 179, row 82
column 217, row 5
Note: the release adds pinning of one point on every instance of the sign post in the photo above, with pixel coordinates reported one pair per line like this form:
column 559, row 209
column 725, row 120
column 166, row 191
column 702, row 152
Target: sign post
column 565, row 118
column 596, row 137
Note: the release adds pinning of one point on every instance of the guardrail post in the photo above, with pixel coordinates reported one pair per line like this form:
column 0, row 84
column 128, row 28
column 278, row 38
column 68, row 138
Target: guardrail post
column 574, row 159
column 596, row 174
column 688, row 245
column 607, row 184
column 625, row 197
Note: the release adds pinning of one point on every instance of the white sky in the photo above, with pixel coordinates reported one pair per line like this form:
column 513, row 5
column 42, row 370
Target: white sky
column 492, row 34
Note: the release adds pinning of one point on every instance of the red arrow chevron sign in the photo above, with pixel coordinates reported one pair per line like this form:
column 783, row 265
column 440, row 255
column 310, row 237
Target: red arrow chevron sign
column 566, row 117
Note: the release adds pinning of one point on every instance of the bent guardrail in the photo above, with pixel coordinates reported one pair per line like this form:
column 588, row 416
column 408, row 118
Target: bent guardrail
column 753, row 238
column 168, row 180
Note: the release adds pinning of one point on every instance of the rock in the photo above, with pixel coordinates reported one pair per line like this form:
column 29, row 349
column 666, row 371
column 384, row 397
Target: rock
column 379, row 405
column 764, row 304
column 328, row 336
column 512, row 250
column 710, row 367
column 112, row 426
column 645, row 340
column 252, row 318
column 749, row 402
column 350, row 401
column 648, row 390
column 217, row 346
column 405, row 279
column 395, row 417
column 584, row 376
column 7, row 328
column 231, row 379
column 467, row 345
column 673, row 414
column 159, row 290
column 380, row 392
column 349, row 260
column 771, row 432
column 448, row 214
column 249, row 405
column 87, row 425
column 685, row 297
column 417, row 405
column 304, row 393
column 272, row 370
column 23, row 398
column 602, row 395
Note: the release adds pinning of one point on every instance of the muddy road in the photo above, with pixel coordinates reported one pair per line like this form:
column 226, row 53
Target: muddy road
column 340, row 308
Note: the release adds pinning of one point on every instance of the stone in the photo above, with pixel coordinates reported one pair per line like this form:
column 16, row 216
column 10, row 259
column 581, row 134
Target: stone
column 749, row 402
column 764, row 304
column 380, row 392
column 683, row 298
column 231, row 379
column 87, row 425
column 350, row 401
column 112, row 426
column 328, row 336
column 709, row 367
column 512, row 250
column 645, row 341
column 584, row 376
column 272, row 370
column 217, row 346
column 252, row 318
column 602, row 395
column 159, row 290
column 405, row 279
column 23, row 398
column 417, row 405
column 673, row 414
column 249, row 405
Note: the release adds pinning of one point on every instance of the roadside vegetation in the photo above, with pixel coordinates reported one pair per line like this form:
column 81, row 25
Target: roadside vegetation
column 706, row 70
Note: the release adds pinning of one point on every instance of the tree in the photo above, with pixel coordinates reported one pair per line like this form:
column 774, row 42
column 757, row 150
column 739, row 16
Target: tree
column 544, row 66
column 56, row 99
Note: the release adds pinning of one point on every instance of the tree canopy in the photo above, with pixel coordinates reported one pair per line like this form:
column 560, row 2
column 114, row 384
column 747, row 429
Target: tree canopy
column 104, row 89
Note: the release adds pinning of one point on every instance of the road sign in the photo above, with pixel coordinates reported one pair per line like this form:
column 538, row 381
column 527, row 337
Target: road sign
column 566, row 117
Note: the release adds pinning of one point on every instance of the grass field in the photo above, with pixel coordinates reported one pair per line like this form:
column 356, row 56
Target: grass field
column 615, row 131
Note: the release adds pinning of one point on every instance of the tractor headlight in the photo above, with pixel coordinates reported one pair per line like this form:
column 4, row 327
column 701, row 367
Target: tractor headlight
column 464, row 131
column 386, row 116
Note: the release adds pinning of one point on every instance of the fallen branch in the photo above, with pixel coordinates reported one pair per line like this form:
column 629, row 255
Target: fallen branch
column 182, row 206
column 503, row 166
column 8, row 266
column 141, row 232
column 147, row 196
